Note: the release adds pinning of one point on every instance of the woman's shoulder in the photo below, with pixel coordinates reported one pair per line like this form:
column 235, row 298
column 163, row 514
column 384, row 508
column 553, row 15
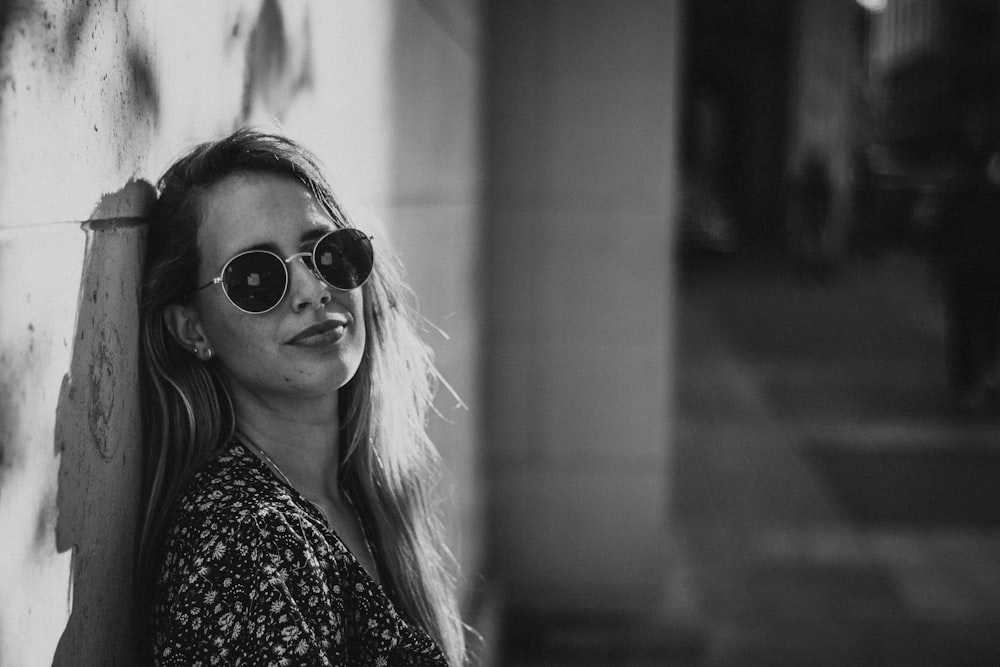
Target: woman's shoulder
column 231, row 493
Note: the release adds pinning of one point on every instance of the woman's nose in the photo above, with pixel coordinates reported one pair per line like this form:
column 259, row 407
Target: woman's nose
column 306, row 289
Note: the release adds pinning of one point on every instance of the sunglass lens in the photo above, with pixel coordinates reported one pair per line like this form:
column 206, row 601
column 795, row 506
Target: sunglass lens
column 344, row 258
column 255, row 281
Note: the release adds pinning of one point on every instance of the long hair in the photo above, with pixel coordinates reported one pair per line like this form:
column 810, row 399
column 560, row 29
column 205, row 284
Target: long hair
column 388, row 464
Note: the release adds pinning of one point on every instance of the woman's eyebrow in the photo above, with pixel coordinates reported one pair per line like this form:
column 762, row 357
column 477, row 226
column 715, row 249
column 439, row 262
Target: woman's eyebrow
column 266, row 245
column 311, row 235
column 315, row 233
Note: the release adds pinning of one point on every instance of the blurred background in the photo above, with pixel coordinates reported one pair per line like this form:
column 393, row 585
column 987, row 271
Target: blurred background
column 699, row 272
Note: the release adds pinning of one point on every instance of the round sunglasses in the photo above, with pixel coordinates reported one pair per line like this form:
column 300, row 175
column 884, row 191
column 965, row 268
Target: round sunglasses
column 256, row 281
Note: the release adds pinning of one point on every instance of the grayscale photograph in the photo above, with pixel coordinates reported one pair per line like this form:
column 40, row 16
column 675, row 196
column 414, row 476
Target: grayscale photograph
column 500, row 333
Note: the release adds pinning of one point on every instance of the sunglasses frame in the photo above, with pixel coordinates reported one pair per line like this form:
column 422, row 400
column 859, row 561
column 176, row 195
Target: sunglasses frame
column 218, row 280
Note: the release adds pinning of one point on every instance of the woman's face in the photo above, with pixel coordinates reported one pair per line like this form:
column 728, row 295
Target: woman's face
column 273, row 355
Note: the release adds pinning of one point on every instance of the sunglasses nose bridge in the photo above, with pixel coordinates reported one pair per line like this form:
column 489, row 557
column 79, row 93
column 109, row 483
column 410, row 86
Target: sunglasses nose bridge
column 308, row 261
column 308, row 264
column 296, row 256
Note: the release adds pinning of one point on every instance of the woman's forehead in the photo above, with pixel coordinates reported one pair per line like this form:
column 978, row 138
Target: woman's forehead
column 252, row 208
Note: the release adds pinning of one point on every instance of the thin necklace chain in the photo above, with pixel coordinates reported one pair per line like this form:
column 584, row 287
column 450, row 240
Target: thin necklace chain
column 267, row 459
column 283, row 477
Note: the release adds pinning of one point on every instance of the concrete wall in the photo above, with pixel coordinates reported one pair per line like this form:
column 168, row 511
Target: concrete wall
column 95, row 99
column 582, row 108
column 436, row 206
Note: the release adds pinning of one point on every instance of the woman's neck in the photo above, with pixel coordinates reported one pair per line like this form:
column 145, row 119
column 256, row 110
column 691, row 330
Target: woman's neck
column 301, row 447
column 302, row 443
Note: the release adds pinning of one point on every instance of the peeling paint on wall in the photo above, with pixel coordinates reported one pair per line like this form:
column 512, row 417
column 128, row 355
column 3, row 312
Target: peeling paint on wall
column 103, row 404
column 98, row 432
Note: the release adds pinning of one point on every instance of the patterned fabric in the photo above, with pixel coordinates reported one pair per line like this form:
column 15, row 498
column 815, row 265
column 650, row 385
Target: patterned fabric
column 253, row 575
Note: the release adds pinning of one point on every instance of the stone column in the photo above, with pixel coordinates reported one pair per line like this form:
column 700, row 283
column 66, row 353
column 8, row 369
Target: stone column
column 582, row 116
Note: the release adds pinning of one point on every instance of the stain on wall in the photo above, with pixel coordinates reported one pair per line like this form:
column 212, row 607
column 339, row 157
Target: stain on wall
column 40, row 270
column 80, row 104
column 277, row 67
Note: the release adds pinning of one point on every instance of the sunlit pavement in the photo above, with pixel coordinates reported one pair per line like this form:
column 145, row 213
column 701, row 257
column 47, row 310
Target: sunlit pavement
column 833, row 506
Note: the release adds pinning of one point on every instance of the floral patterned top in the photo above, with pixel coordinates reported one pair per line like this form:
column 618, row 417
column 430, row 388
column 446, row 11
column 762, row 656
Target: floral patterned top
column 253, row 575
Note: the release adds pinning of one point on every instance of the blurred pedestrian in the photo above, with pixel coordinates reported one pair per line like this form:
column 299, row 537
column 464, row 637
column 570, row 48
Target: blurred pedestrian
column 968, row 247
column 284, row 394
column 868, row 234
column 811, row 200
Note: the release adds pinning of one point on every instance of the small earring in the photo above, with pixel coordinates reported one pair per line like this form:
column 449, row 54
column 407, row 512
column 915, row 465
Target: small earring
column 209, row 354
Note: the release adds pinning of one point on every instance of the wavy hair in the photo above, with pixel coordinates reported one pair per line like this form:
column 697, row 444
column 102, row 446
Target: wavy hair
column 388, row 464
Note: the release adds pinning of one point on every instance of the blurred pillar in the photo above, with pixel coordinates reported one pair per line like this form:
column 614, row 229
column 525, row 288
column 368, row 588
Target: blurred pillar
column 582, row 105
column 827, row 99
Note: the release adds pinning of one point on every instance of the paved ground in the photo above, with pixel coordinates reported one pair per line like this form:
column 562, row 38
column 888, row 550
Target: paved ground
column 839, row 509
column 835, row 508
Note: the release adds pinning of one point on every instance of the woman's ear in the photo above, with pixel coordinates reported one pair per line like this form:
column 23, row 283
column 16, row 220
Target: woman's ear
column 184, row 325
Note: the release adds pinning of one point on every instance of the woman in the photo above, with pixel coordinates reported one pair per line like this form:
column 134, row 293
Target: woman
column 284, row 391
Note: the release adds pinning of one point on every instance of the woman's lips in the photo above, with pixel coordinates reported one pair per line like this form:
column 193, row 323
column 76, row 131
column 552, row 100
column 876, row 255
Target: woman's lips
column 324, row 333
